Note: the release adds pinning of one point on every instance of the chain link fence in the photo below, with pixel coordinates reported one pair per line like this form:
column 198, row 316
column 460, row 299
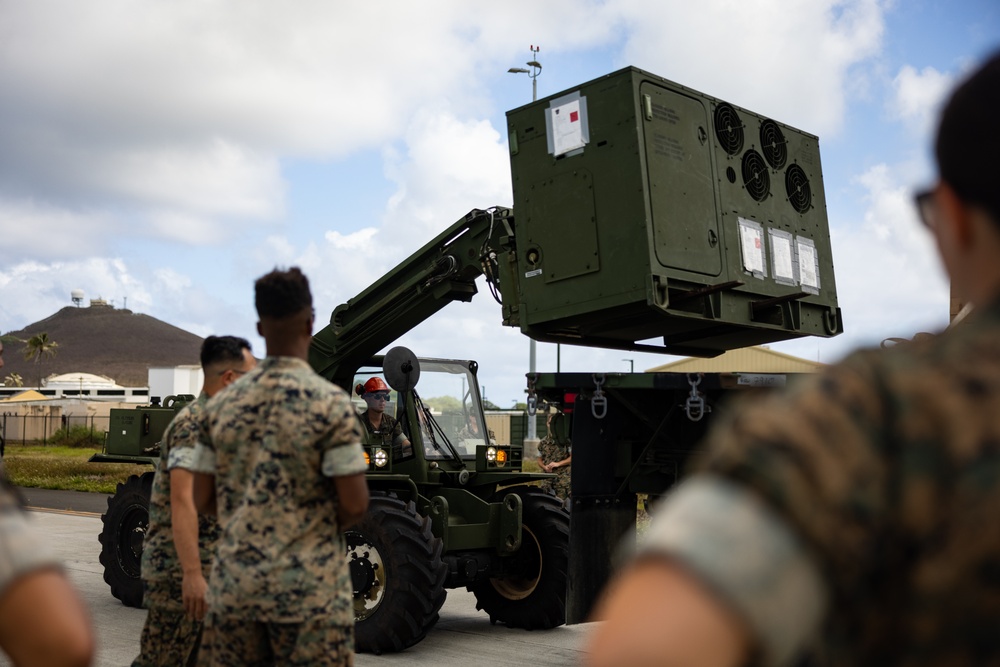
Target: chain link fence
column 38, row 429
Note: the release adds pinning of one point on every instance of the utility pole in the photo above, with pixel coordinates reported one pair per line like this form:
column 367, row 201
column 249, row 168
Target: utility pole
column 536, row 69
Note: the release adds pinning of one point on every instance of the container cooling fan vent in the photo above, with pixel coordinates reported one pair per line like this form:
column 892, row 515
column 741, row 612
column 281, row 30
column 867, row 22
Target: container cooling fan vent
column 797, row 187
column 728, row 128
column 772, row 144
column 755, row 175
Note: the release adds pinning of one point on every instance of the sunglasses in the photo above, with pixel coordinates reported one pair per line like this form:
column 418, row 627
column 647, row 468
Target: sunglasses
column 381, row 396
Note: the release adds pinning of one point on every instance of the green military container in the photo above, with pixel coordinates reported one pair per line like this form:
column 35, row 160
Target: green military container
column 648, row 210
column 134, row 434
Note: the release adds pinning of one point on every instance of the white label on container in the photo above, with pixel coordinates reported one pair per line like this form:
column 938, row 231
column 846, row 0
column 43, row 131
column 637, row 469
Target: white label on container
column 781, row 252
column 567, row 127
column 760, row 380
column 808, row 276
column 752, row 246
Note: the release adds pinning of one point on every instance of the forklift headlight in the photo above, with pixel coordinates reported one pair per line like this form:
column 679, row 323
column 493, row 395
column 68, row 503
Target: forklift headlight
column 381, row 458
column 492, row 457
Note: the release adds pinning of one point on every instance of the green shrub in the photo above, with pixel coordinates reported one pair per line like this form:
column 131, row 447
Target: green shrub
column 77, row 436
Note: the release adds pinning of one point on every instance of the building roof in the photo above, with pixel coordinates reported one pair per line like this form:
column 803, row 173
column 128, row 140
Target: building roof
column 30, row 395
column 755, row 359
column 81, row 381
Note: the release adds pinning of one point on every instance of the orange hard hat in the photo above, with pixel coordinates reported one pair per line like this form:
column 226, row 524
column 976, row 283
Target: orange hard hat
column 374, row 384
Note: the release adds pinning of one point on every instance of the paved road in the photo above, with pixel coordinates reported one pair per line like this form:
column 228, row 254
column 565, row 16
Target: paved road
column 462, row 638
column 76, row 501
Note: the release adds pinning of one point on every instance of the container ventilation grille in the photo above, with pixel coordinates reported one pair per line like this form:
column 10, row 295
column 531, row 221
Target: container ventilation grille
column 728, row 128
column 797, row 187
column 755, row 175
column 772, row 144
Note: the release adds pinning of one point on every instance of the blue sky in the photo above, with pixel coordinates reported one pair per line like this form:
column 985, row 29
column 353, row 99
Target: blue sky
column 170, row 153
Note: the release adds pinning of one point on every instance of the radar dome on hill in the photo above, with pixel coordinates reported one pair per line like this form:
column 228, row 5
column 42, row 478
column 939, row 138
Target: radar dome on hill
column 77, row 296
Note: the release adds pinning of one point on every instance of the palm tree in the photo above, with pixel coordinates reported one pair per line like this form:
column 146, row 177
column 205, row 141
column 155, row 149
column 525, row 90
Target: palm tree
column 13, row 380
column 38, row 346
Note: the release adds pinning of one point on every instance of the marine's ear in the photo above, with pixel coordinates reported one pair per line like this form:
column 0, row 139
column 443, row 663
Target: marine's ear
column 955, row 219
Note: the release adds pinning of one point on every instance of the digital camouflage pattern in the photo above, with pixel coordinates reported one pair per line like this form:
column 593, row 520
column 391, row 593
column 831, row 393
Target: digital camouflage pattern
column 161, row 568
column 169, row 639
column 551, row 451
column 315, row 643
column 389, row 435
column 888, row 466
column 281, row 554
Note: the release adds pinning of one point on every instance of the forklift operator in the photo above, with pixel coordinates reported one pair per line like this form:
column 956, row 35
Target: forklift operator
column 380, row 428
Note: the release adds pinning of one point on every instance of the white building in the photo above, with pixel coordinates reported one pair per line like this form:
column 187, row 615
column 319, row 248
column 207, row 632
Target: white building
column 175, row 380
column 82, row 385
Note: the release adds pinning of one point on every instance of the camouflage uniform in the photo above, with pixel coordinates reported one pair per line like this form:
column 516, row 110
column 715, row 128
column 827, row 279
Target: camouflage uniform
column 468, row 434
column 280, row 581
column 169, row 637
column 885, row 471
column 550, row 451
column 389, row 435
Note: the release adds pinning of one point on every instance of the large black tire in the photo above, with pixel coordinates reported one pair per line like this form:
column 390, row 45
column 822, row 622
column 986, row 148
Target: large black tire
column 397, row 574
column 532, row 593
column 125, row 525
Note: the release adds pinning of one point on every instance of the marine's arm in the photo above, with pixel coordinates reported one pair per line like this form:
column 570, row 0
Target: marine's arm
column 561, row 464
column 399, row 438
column 43, row 621
column 352, row 491
column 204, row 494
column 202, row 464
column 181, row 438
column 767, row 515
column 344, row 462
column 720, row 575
column 184, row 519
column 544, row 450
column 658, row 614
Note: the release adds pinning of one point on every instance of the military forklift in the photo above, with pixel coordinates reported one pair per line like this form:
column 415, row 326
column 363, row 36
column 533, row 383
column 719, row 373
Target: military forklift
column 647, row 216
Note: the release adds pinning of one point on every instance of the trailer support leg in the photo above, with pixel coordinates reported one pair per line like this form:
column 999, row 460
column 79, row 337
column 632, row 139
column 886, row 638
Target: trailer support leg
column 600, row 516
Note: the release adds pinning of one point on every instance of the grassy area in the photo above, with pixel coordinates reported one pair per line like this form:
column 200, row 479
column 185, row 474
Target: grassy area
column 65, row 468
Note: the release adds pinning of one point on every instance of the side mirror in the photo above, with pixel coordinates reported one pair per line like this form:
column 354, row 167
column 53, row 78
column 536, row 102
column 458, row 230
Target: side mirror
column 401, row 369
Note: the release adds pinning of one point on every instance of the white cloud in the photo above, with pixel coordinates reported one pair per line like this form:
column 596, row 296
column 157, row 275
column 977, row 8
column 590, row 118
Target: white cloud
column 449, row 167
column 791, row 60
column 358, row 240
column 172, row 120
column 34, row 290
column 217, row 177
column 917, row 96
column 889, row 279
column 176, row 116
column 37, row 229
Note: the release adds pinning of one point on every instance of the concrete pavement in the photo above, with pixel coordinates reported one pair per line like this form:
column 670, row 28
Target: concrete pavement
column 463, row 637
